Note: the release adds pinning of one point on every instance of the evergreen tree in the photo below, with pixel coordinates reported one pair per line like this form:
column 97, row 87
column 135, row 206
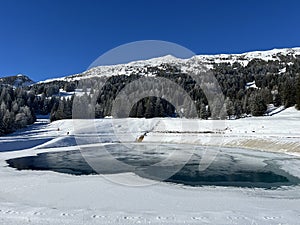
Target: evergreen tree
column 298, row 93
column 140, row 110
column 230, row 107
column 289, row 93
column 98, row 111
column 149, row 108
column 204, row 114
column 258, row 105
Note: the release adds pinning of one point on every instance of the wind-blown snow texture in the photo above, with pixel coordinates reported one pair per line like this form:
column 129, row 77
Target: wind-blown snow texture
column 43, row 197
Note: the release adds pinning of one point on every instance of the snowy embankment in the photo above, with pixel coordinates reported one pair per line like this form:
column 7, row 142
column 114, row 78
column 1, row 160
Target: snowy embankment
column 45, row 197
column 279, row 133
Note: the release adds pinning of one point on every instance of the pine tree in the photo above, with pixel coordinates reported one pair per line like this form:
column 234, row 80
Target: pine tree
column 298, row 93
column 68, row 109
column 229, row 107
column 158, row 108
column 2, row 128
column 277, row 100
column 203, row 112
column 98, row 111
column 8, row 120
column 140, row 109
column 149, row 108
column 289, row 93
column 60, row 113
column 258, row 105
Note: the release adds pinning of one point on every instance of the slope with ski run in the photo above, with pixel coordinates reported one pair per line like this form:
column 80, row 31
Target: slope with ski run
column 45, row 197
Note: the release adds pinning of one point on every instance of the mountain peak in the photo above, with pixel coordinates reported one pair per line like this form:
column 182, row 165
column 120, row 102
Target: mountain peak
column 19, row 80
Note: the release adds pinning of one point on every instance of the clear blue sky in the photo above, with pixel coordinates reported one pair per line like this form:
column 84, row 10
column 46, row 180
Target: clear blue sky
column 53, row 38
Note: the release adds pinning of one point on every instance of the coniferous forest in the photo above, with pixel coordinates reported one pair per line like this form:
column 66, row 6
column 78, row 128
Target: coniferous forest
column 273, row 86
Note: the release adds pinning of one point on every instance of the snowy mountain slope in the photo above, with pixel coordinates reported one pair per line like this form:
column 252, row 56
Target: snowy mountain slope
column 245, row 58
column 19, row 80
column 208, row 61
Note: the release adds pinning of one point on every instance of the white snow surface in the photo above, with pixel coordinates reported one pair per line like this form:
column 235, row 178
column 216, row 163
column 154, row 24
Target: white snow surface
column 251, row 85
column 45, row 197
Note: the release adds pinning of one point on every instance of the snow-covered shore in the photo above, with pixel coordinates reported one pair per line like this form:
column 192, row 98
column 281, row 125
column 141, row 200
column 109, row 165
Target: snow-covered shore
column 277, row 133
column 45, row 197
column 50, row 198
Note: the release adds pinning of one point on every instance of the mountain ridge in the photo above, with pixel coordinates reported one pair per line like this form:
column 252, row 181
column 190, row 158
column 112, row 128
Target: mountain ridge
column 207, row 61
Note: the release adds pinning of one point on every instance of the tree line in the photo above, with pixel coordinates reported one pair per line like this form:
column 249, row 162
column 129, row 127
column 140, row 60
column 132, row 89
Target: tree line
column 277, row 82
column 16, row 109
column 272, row 87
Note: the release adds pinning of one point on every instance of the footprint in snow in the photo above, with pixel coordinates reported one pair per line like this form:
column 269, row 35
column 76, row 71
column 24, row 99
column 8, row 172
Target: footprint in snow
column 66, row 214
column 98, row 217
column 203, row 218
column 131, row 217
column 271, row 217
column 11, row 212
column 232, row 218
column 164, row 217
column 39, row 214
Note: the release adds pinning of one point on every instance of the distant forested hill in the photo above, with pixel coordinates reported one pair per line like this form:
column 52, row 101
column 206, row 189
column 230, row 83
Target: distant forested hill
column 252, row 83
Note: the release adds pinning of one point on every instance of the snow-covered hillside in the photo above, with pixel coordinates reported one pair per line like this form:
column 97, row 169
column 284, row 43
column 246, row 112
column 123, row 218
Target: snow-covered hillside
column 245, row 58
column 207, row 61
column 19, row 80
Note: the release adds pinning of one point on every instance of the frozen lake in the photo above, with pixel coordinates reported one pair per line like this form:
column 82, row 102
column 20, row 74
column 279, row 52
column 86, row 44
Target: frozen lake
column 239, row 187
column 176, row 163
